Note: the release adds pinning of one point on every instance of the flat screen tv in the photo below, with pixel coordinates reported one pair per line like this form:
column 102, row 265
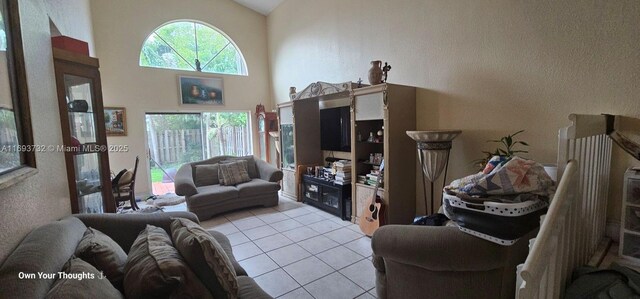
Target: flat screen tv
column 335, row 129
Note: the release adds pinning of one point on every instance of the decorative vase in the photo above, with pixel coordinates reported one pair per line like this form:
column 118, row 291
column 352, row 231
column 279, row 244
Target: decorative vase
column 375, row 72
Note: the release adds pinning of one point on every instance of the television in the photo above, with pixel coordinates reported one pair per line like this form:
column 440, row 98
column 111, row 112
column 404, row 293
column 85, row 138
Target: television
column 335, row 129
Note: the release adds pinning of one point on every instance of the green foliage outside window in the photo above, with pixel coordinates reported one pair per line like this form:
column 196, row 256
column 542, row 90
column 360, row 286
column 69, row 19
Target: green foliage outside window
column 186, row 45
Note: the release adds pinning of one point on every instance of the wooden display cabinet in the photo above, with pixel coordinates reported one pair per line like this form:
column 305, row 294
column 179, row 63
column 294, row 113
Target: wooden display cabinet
column 83, row 132
column 392, row 109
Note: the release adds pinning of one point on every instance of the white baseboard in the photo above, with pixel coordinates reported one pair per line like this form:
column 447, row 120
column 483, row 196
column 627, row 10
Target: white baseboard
column 612, row 230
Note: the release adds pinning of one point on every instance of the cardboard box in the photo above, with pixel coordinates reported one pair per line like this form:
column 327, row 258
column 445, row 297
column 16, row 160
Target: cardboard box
column 70, row 44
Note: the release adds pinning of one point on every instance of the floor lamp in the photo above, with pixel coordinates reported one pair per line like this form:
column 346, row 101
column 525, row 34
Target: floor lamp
column 433, row 152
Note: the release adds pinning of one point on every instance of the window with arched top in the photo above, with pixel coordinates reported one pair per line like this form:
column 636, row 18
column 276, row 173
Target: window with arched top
column 192, row 46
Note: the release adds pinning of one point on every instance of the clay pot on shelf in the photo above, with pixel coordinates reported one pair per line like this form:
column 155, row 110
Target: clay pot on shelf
column 375, row 72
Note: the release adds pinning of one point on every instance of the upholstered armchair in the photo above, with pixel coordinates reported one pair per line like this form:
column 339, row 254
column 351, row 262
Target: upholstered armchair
column 443, row 262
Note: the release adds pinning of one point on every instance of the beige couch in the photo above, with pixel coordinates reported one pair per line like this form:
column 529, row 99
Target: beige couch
column 47, row 248
column 443, row 262
column 198, row 182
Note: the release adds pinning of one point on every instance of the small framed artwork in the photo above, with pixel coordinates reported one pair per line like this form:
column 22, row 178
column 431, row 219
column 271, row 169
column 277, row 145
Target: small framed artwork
column 201, row 91
column 115, row 121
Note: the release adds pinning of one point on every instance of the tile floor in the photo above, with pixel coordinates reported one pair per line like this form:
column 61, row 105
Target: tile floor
column 297, row 251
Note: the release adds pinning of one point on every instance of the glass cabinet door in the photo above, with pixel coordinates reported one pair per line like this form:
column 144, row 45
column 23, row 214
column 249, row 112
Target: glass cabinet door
column 262, row 138
column 83, row 129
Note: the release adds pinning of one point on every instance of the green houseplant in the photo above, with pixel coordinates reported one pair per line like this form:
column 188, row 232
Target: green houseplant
column 508, row 147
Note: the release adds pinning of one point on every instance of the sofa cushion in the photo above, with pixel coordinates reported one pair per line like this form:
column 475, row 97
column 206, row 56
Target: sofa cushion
column 92, row 285
column 206, row 174
column 103, row 253
column 226, row 245
column 256, row 187
column 155, row 269
column 252, row 170
column 248, row 288
column 45, row 249
column 214, row 192
column 234, row 173
column 206, row 257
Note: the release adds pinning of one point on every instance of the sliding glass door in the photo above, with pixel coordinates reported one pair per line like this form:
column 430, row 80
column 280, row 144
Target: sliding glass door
column 177, row 138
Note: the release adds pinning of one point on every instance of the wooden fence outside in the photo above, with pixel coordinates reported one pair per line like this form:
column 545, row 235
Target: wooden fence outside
column 171, row 146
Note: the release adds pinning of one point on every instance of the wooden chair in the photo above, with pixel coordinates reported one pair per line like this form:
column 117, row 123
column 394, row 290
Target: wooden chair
column 125, row 191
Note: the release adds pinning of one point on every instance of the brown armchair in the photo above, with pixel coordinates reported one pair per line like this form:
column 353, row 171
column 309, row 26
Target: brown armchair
column 443, row 262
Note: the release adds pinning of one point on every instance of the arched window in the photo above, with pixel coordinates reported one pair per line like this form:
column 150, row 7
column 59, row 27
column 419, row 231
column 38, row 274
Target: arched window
column 193, row 46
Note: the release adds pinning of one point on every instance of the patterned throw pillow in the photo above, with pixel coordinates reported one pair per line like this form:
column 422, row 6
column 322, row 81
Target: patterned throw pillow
column 155, row 269
column 233, row 173
column 206, row 257
column 102, row 252
column 70, row 286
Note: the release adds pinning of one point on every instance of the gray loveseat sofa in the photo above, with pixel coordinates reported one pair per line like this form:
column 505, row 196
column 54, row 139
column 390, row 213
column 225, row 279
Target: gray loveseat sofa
column 47, row 248
column 198, row 182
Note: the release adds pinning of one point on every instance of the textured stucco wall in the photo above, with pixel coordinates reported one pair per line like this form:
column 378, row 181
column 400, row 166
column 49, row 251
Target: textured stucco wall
column 142, row 89
column 487, row 67
column 45, row 196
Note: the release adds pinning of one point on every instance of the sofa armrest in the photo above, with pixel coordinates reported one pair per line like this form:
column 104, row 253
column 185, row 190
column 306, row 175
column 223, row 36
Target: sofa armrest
column 124, row 228
column 183, row 181
column 268, row 172
column 437, row 248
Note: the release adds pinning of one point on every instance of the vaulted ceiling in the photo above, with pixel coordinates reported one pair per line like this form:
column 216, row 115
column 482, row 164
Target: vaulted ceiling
column 262, row 6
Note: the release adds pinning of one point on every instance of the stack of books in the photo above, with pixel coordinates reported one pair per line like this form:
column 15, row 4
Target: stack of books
column 372, row 177
column 343, row 172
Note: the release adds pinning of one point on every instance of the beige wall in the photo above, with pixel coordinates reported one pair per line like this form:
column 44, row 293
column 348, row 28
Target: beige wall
column 486, row 67
column 45, row 196
column 120, row 28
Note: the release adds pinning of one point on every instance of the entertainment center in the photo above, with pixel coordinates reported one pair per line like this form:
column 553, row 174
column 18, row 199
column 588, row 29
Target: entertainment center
column 360, row 124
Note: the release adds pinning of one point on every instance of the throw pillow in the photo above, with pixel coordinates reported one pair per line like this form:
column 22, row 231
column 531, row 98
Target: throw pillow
column 207, row 174
column 206, row 257
column 79, row 279
column 102, row 252
column 251, row 166
column 234, row 173
column 155, row 269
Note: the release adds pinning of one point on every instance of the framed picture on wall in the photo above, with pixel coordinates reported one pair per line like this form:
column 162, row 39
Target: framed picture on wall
column 115, row 121
column 200, row 91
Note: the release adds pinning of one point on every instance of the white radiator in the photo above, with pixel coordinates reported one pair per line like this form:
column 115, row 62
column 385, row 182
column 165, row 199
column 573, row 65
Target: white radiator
column 575, row 222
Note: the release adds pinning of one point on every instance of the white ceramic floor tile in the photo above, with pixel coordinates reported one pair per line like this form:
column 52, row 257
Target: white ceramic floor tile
column 309, row 218
column 325, row 215
column 355, row 228
column 343, row 235
column 362, row 273
column 209, row 223
column 226, row 228
column 366, row 296
column 373, row 293
column 246, row 250
column 299, row 293
column 341, row 222
column 288, row 254
column 296, row 212
column 311, row 209
column 333, row 286
column 300, row 233
column 276, row 283
column 272, row 242
column 286, row 206
column 237, row 215
column 258, row 265
column 361, row 246
column 318, row 244
column 263, row 211
column 248, row 223
column 273, row 217
column 283, row 226
column 260, row 232
column 324, row 226
column 339, row 257
column 237, row 238
column 308, row 270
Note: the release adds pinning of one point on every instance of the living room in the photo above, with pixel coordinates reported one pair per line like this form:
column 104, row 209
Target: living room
column 487, row 68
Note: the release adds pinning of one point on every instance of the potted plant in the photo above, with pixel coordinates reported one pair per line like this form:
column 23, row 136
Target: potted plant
column 507, row 148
